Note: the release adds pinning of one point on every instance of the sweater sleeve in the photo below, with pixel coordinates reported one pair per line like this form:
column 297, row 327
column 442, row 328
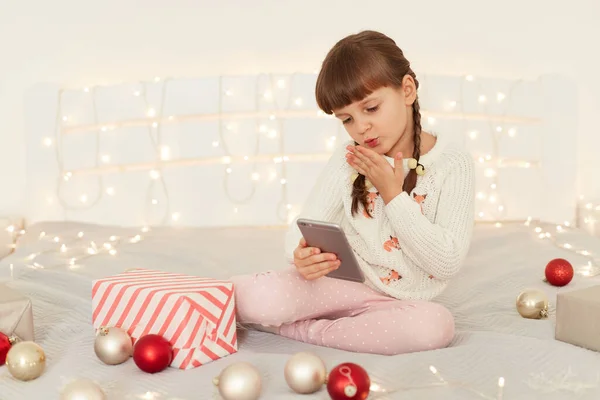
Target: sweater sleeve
column 439, row 248
column 324, row 202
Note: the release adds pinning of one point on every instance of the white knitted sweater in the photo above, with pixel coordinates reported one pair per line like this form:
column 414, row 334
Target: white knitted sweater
column 412, row 246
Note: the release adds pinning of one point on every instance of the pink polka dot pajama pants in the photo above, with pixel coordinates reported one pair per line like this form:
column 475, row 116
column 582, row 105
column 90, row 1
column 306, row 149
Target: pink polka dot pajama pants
column 340, row 314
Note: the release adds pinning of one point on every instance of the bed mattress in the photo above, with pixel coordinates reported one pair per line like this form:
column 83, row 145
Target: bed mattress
column 491, row 340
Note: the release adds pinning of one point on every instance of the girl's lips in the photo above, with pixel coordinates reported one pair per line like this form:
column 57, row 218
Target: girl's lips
column 372, row 142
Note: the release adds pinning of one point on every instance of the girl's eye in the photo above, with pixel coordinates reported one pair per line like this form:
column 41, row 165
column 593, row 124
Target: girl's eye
column 373, row 109
column 346, row 121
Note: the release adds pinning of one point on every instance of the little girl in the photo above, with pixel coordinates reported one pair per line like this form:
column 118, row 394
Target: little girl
column 404, row 198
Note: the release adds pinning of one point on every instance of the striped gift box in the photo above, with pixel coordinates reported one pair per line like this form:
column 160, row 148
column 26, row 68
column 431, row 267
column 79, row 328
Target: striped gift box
column 196, row 315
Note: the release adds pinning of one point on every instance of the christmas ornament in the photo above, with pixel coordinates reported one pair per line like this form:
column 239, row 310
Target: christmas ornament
column 113, row 345
column 5, row 345
column 348, row 381
column 82, row 389
column 239, row 381
column 26, row 361
column 559, row 272
column 305, row 373
column 152, row 353
column 532, row 304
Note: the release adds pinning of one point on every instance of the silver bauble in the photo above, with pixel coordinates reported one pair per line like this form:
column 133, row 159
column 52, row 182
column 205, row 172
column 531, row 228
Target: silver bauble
column 26, row 361
column 239, row 381
column 82, row 389
column 113, row 345
column 305, row 373
column 532, row 304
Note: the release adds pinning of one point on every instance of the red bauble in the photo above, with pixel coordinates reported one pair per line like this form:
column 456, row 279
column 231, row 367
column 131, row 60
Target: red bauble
column 152, row 353
column 5, row 345
column 559, row 272
column 348, row 381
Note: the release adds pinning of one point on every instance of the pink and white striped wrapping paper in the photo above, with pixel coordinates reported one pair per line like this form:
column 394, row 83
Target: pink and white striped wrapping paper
column 196, row 315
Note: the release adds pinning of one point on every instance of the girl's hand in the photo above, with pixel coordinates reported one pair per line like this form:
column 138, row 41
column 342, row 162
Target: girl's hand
column 313, row 264
column 387, row 180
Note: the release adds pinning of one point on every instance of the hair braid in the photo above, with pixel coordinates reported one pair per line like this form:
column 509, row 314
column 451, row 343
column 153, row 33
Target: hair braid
column 411, row 179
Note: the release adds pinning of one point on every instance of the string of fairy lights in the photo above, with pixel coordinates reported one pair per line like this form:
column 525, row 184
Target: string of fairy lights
column 276, row 115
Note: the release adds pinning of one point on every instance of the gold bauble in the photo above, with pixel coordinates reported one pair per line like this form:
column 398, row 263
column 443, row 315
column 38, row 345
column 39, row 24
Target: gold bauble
column 412, row 163
column 113, row 345
column 239, row 381
column 26, row 361
column 82, row 389
column 532, row 304
column 305, row 373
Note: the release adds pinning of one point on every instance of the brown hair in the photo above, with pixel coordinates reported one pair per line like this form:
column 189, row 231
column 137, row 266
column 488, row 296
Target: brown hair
column 355, row 67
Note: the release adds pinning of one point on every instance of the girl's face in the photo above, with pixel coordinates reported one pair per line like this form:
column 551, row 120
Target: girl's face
column 380, row 120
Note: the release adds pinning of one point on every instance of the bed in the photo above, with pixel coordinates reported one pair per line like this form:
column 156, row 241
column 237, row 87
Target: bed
column 86, row 185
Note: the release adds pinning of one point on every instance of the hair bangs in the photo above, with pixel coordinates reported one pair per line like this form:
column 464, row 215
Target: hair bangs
column 350, row 75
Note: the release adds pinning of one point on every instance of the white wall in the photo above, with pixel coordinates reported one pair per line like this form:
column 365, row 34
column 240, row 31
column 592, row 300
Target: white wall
column 86, row 44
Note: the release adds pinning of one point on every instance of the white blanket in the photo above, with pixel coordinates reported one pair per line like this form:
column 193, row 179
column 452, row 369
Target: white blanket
column 492, row 340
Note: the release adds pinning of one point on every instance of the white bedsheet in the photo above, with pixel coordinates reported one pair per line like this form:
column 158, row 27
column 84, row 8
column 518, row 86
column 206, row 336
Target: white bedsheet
column 492, row 340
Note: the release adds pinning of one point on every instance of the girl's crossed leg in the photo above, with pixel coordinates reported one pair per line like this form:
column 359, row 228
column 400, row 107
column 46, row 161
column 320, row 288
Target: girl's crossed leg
column 341, row 314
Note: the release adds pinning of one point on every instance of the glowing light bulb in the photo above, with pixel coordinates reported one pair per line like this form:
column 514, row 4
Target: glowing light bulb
column 47, row 142
column 80, row 235
column 215, row 143
column 151, row 112
column 175, row 216
column 272, row 133
column 165, row 153
column 489, row 172
column 228, row 92
column 110, row 191
column 105, row 158
column 83, row 198
column 470, row 78
column 473, row 135
column 154, row 174
column 512, row 132
column 500, row 97
column 155, row 124
column 137, row 93
column 298, row 101
column 255, row 176
column 154, row 202
column 228, row 170
column 226, row 160
column 281, row 84
column 268, row 95
column 283, row 181
column 482, row 98
column 431, row 120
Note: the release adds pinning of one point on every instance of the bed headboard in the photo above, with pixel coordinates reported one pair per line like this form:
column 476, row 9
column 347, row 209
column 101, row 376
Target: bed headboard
column 244, row 150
